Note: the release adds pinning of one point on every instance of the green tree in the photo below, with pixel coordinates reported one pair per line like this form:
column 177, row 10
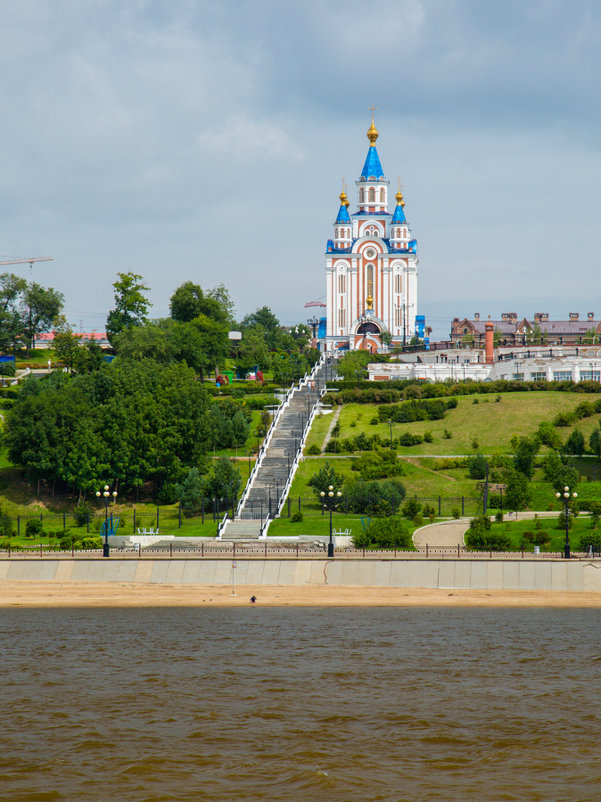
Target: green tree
column 131, row 305
column 477, row 466
column 225, row 480
column 575, row 443
column 66, row 343
column 517, row 494
column 353, row 365
column 41, row 306
column 375, row 498
column 559, row 470
column 595, row 442
column 525, row 450
column 88, row 358
column 192, row 491
column 253, row 349
column 325, row 477
column 12, row 288
column 271, row 325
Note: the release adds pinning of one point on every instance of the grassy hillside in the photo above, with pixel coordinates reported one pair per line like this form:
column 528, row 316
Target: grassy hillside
column 480, row 417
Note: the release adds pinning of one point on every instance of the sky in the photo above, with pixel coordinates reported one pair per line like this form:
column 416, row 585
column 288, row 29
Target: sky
column 206, row 141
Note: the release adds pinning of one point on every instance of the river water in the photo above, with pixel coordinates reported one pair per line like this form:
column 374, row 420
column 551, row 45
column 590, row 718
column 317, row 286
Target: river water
column 300, row 704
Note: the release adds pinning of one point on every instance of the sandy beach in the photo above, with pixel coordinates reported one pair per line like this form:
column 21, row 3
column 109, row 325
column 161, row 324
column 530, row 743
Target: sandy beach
column 97, row 594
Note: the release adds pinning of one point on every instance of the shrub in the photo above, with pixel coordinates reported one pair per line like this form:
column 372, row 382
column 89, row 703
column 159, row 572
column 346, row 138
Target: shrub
column 539, row 537
column 428, row 437
column 34, row 528
column 455, row 512
column 428, row 510
column 333, row 446
column 168, row 493
column 385, row 533
column 314, row 450
column 447, row 434
column 475, row 400
column 499, row 517
column 475, row 443
column 375, row 498
column 82, row 514
column 418, row 519
column 6, row 525
column 480, row 538
column 378, row 465
column 411, row 508
column 590, row 540
column 561, row 520
column 296, row 517
column 477, row 466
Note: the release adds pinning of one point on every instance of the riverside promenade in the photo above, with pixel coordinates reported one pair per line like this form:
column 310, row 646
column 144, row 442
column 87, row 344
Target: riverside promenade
column 529, row 573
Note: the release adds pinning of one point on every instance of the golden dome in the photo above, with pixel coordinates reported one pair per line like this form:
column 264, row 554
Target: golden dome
column 399, row 199
column 370, row 302
column 372, row 134
column 343, row 199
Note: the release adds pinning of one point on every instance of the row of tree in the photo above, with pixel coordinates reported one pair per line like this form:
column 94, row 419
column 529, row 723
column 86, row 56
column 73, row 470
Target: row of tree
column 26, row 310
column 130, row 422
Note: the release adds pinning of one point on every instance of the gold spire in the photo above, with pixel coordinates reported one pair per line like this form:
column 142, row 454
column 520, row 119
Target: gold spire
column 343, row 199
column 372, row 134
column 399, row 199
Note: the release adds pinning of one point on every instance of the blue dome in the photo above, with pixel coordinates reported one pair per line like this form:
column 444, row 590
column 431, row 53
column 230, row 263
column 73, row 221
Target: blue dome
column 399, row 215
column 343, row 215
column 372, row 167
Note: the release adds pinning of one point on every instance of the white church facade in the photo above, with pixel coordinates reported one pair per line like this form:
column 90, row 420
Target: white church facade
column 371, row 266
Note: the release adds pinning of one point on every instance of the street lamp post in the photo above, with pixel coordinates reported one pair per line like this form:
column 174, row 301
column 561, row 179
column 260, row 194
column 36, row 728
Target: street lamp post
column 567, row 496
column 331, row 501
column 106, row 494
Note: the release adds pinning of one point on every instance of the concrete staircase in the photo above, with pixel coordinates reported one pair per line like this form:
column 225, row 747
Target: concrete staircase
column 278, row 459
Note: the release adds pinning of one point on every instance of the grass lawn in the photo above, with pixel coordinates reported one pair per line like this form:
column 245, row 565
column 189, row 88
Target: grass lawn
column 516, row 529
column 319, row 430
column 489, row 422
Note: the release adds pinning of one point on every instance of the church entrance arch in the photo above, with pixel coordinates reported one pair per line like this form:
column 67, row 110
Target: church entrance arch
column 368, row 328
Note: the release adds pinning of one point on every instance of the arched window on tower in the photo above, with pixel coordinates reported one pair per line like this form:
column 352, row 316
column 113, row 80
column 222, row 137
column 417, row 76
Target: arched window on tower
column 370, row 280
column 361, row 195
column 372, row 195
column 382, row 195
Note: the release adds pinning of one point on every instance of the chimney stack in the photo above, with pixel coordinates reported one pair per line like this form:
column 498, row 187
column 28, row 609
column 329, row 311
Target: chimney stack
column 489, row 339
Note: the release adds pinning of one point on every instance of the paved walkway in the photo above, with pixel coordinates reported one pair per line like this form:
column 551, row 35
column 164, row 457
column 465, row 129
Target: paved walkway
column 333, row 423
column 451, row 533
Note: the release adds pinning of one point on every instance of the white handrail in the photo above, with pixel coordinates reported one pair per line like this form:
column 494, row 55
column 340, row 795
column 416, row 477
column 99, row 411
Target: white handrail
column 264, row 527
column 221, row 526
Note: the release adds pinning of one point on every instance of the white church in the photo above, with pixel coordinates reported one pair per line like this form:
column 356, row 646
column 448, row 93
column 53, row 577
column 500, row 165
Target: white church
column 371, row 266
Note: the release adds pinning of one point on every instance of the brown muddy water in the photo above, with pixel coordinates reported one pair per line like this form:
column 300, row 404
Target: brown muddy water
column 300, row 704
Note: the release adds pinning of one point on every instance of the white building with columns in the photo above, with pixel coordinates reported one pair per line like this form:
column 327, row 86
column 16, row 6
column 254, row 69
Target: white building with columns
column 371, row 266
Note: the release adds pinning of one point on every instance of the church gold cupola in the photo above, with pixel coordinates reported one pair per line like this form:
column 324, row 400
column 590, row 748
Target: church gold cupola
column 343, row 226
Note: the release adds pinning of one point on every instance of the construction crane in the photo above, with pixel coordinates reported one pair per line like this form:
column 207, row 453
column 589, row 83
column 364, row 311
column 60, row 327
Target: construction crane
column 28, row 261
column 314, row 303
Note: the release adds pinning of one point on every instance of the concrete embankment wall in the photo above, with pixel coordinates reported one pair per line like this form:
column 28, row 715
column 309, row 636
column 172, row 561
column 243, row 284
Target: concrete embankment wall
column 529, row 574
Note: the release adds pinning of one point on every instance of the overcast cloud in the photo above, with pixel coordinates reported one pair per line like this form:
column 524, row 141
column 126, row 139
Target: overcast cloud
column 184, row 139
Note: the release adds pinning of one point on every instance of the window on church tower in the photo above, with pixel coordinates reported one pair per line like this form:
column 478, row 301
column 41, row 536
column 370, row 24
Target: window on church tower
column 372, row 195
column 382, row 195
column 341, row 284
column 397, row 283
column 370, row 280
column 361, row 195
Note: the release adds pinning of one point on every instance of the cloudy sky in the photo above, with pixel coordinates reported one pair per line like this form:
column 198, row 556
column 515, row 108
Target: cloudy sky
column 188, row 139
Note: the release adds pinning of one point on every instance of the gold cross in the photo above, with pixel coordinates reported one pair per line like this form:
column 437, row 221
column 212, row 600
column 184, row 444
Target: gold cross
column 372, row 108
